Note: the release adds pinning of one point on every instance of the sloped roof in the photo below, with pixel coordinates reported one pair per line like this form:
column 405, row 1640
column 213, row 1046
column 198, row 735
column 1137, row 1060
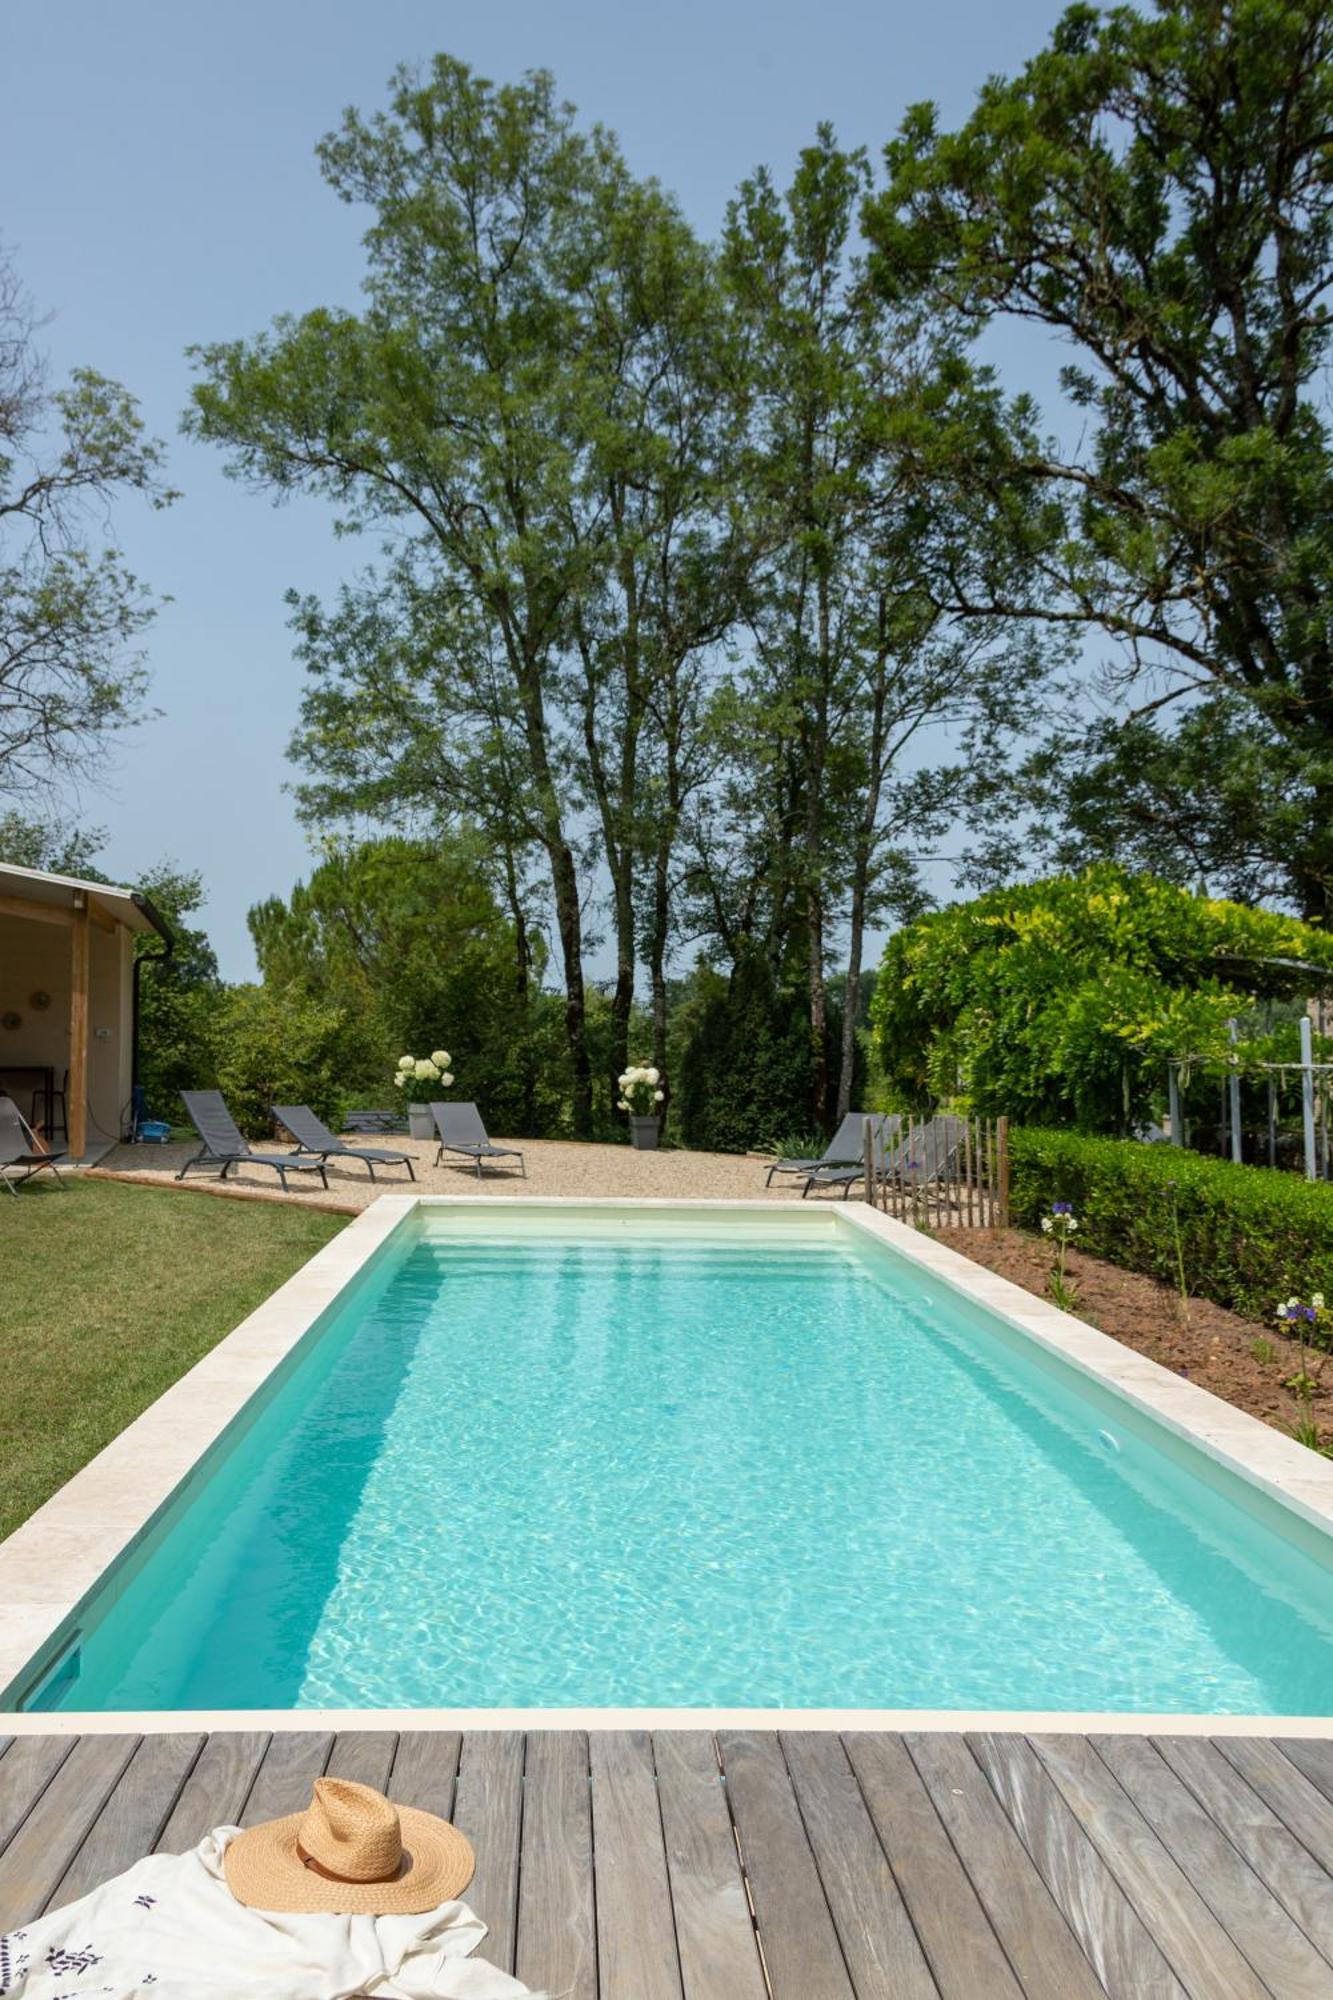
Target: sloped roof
column 125, row 906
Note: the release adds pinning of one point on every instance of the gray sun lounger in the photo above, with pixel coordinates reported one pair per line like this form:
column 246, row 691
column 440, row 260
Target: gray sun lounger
column 847, row 1145
column 460, row 1130
column 918, row 1162
column 223, row 1146
column 312, row 1135
column 19, row 1148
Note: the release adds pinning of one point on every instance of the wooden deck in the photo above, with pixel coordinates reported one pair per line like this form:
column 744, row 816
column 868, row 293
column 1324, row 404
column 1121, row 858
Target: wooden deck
column 683, row 1866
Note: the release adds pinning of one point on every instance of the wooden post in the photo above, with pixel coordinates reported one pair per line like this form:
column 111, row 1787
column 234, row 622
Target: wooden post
column 1002, row 1148
column 76, row 1100
column 1307, row 1096
column 1233, row 1098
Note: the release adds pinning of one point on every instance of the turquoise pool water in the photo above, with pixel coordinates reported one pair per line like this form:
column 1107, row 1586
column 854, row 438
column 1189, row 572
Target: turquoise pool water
column 669, row 1472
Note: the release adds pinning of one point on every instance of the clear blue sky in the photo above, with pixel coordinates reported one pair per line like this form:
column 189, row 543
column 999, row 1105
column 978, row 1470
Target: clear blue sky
column 160, row 189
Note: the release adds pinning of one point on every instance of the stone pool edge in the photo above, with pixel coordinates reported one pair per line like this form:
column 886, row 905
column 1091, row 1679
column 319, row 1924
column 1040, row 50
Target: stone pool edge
column 52, row 1563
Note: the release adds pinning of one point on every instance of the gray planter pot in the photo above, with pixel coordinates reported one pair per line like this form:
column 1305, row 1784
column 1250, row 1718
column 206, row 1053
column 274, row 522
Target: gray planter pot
column 643, row 1133
column 419, row 1121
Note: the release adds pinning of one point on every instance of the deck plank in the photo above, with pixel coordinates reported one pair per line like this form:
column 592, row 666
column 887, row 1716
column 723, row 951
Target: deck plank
column 26, row 1770
column 557, row 1933
column 715, row 1935
column 363, row 1756
column 1283, row 1863
column 286, row 1777
column 1113, row 1936
column 53, row 1831
column 1198, row 1948
column 636, row 1938
column 1313, row 1757
column 488, row 1808
column 216, row 1789
column 134, row 1815
column 1275, row 1946
column 1037, row 1940
column 797, row 1933
column 880, row 1946
column 425, row 1770
column 962, row 1949
column 1301, row 1805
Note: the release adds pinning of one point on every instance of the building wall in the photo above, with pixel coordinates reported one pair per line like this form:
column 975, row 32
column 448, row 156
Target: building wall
column 35, row 957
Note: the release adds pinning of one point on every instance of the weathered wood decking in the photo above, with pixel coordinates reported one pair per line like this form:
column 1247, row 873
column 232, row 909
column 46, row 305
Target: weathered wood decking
column 682, row 1866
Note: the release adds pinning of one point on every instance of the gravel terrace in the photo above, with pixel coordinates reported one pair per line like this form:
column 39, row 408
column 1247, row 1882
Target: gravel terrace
column 555, row 1167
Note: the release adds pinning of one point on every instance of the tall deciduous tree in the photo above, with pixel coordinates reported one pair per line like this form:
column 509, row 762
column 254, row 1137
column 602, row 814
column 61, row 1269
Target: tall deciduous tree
column 440, row 412
column 70, row 610
column 1154, row 191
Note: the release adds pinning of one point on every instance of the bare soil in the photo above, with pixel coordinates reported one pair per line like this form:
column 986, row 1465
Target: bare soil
column 1215, row 1348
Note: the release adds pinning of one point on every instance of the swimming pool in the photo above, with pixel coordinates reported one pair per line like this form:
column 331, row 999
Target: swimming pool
column 685, row 1462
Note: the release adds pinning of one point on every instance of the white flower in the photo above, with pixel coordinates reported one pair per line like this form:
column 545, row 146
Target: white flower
column 440, row 1058
column 623, row 1105
column 1047, row 1225
column 425, row 1070
column 1071, row 1222
column 1317, row 1301
column 400, row 1077
column 652, row 1076
column 447, row 1077
column 658, row 1096
column 406, row 1062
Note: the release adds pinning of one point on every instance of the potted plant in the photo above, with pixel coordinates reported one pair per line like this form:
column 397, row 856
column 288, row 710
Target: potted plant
column 640, row 1096
column 413, row 1070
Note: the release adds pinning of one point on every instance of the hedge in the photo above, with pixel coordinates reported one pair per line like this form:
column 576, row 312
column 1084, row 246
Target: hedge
column 1249, row 1236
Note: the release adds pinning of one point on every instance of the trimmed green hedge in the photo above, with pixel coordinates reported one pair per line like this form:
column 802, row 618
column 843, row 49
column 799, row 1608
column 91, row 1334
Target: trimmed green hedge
column 1250, row 1236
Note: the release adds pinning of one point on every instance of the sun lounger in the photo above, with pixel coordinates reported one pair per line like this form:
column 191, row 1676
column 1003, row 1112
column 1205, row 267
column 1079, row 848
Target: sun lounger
column 223, row 1146
column 19, row 1148
column 460, row 1130
column 917, row 1162
column 845, row 1148
column 312, row 1135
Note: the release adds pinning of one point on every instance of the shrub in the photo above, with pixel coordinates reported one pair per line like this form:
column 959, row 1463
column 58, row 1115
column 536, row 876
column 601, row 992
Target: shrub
column 281, row 1048
column 746, row 1072
column 1248, row 1236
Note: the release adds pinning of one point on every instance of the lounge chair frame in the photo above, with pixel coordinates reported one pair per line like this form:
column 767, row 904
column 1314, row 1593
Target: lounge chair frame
column 320, row 1143
column 845, row 1148
column 455, row 1118
column 32, row 1158
column 222, row 1144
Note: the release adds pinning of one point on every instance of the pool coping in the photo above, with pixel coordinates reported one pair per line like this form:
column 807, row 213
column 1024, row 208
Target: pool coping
column 55, row 1559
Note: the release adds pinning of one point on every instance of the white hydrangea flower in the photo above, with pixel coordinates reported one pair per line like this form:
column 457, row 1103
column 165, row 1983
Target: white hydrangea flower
column 623, row 1105
column 652, row 1076
column 425, row 1070
column 658, row 1096
column 440, row 1058
column 406, row 1062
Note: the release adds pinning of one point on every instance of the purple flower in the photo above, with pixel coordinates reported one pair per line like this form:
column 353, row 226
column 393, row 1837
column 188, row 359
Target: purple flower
column 1062, row 1208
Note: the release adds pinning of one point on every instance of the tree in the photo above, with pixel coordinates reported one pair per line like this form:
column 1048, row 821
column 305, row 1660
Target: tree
column 1154, row 192
column 833, row 778
column 70, row 611
column 403, row 940
column 439, row 414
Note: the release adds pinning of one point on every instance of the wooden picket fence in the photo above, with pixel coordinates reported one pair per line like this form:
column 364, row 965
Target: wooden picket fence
column 956, row 1178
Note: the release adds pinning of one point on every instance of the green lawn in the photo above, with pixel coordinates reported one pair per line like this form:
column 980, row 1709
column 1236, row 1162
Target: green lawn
column 107, row 1294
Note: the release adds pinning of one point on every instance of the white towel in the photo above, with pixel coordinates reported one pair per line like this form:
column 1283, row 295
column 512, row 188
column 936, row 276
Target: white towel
column 170, row 1929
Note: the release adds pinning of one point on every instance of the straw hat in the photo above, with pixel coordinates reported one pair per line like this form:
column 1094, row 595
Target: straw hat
column 352, row 1852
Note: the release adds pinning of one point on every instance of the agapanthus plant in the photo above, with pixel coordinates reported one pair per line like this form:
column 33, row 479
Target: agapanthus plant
column 639, row 1092
column 1300, row 1320
column 1060, row 1225
column 413, row 1070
